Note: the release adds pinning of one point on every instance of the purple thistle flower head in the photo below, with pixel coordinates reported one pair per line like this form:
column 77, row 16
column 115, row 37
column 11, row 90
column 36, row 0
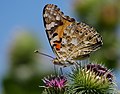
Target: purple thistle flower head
column 100, row 71
column 55, row 82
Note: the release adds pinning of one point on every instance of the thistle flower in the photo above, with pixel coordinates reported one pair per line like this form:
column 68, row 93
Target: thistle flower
column 91, row 79
column 100, row 71
column 55, row 84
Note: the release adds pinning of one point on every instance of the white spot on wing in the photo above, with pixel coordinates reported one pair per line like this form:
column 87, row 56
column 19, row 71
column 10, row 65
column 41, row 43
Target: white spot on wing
column 49, row 8
column 57, row 17
column 86, row 42
column 52, row 24
column 45, row 15
column 72, row 31
column 55, row 14
column 63, row 50
column 74, row 41
column 54, row 39
column 49, row 26
column 64, row 41
column 51, row 12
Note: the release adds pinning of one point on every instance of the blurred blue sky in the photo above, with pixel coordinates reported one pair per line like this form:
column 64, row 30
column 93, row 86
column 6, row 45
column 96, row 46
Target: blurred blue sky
column 23, row 14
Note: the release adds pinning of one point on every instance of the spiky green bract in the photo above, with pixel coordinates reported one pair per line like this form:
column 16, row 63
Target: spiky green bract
column 53, row 91
column 85, row 80
column 55, row 84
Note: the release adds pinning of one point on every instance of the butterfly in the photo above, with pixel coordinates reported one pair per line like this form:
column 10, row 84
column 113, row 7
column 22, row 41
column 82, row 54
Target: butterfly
column 69, row 39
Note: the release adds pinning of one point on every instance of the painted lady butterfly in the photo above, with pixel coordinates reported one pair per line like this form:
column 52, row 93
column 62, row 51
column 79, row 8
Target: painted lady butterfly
column 69, row 39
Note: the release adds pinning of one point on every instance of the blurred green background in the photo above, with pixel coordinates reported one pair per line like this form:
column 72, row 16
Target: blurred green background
column 22, row 32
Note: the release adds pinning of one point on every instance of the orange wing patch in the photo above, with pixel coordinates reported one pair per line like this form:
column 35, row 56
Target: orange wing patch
column 60, row 30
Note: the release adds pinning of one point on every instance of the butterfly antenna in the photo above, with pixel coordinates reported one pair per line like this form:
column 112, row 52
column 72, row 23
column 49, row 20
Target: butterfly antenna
column 36, row 51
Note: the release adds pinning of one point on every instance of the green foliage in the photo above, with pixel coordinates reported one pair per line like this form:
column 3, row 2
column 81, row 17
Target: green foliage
column 23, row 77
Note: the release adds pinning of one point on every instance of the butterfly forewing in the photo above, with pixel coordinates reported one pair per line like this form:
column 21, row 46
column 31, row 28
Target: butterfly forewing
column 55, row 23
column 69, row 39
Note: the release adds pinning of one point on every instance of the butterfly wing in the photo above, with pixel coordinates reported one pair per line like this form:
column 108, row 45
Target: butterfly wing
column 68, row 38
column 55, row 23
